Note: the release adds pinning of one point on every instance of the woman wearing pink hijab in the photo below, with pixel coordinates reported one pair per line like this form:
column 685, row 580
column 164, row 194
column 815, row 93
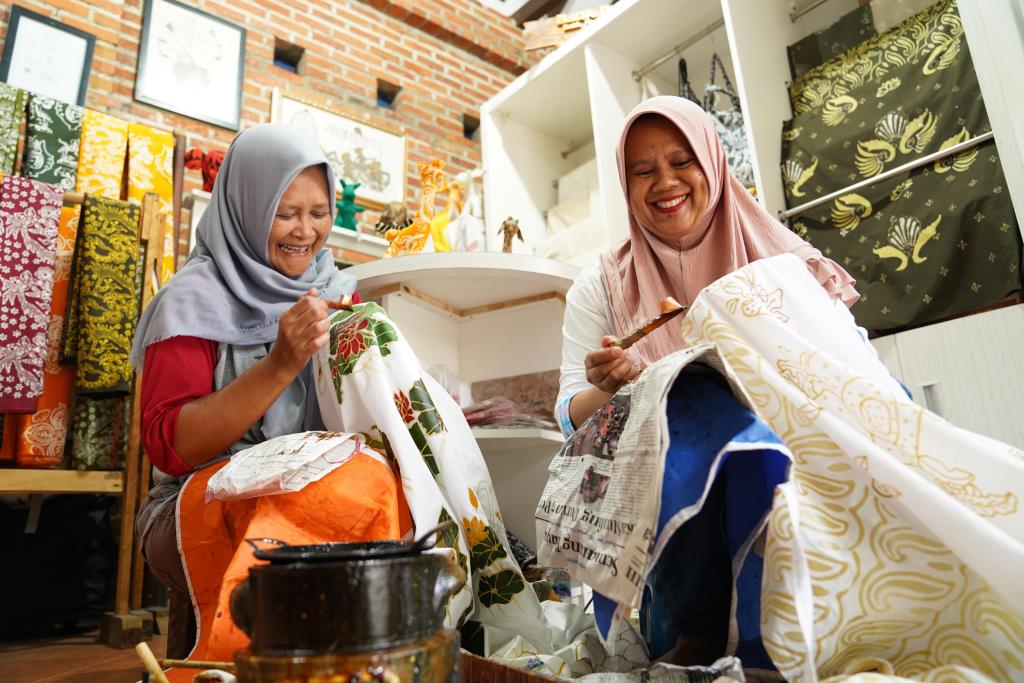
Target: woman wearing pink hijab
column 691, row 222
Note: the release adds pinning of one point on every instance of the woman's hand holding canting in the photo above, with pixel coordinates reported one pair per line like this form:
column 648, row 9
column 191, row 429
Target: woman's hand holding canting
column 610, row 367
column 301, row 331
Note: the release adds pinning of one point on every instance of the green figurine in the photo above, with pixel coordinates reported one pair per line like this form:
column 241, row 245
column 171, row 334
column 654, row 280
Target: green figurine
column 347, row 207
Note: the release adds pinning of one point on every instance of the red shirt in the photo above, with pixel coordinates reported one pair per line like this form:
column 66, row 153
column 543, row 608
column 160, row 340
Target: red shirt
column 175, row 371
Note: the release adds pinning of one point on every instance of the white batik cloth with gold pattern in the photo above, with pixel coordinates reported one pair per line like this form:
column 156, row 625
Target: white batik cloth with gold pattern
column 897, row 545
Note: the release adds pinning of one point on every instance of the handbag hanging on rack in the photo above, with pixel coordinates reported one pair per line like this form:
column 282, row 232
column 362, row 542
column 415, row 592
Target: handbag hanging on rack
column 729, row 124
column 685, row 89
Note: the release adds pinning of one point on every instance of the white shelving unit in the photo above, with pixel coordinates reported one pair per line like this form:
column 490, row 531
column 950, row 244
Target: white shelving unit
column 568, row 109
column 484, row 316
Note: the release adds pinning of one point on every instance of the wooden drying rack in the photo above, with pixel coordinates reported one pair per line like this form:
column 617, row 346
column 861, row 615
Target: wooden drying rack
column 131, row 483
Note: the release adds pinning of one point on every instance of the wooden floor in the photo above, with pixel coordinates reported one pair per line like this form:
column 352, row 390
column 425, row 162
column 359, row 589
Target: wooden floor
column 72, row 659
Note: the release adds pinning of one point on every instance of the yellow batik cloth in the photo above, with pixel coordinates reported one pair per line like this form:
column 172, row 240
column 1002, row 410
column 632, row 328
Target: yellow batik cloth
column 101, row 155
column 151, row 169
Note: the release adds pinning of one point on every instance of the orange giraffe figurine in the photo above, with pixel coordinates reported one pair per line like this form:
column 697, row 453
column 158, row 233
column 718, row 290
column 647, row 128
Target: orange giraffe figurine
column 412, row 239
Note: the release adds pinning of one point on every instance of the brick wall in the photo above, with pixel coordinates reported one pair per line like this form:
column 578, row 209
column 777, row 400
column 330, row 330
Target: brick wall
column 449, row 56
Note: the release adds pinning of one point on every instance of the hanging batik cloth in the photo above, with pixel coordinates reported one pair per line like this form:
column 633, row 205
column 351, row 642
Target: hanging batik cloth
column 28, row 239
column 939, row 241
column 102, row 154
column 51, row 155
column 37, row 439
column 103, row 304
column 101, row 165
column 51, row 143
column 12, row 113
column 850, row 30
column 151, row 169
column 98, row 436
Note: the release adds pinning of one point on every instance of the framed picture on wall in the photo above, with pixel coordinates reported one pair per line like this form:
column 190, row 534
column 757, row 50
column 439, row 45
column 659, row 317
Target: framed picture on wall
column 46, row 57
column 191, row 63
column 358, row 151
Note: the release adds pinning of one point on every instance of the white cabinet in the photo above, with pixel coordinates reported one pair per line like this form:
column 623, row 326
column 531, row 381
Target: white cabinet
column 568, row 108
column 484, row 316
column 969, row 370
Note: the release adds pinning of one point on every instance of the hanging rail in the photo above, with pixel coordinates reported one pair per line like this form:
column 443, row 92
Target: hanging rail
column 73, row 198
column 703, row 33
column 909, row 166
column 800, row 11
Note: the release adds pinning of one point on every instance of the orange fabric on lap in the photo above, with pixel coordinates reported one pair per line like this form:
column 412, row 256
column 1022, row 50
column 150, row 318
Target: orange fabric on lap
column 359, row 501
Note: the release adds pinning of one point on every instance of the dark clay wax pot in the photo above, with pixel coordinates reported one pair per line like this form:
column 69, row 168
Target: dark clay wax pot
column 343, row 597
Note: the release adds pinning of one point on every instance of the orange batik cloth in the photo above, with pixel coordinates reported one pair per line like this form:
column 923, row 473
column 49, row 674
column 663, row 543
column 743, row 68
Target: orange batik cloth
column 37, row 439
column 360, row 501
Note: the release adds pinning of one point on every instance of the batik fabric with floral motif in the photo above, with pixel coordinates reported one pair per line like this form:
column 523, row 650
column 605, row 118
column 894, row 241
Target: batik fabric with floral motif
column 51, row 155
column 37, row 439
column 12, row 113
column 28, row 239
column 151, row 169
column 369, row 381
column 101, row 155
column 103, row 305
column 51, row 144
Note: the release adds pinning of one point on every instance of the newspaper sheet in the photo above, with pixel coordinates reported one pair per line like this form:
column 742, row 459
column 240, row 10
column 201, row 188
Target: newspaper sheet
column 598, row 513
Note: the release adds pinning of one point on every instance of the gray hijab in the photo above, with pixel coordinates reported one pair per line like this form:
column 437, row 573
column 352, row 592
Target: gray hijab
column 227, row 291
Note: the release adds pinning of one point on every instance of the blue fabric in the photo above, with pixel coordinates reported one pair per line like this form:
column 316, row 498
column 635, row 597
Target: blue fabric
column 715, row 444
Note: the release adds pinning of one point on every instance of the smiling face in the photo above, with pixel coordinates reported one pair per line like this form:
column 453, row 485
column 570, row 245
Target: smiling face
column 301, row 223
column 665, row 185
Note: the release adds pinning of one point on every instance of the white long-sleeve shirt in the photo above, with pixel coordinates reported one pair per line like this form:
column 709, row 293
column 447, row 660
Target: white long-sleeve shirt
column 588, row 317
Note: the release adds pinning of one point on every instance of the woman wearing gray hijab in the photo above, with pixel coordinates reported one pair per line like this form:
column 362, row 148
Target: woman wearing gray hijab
column 226, row 345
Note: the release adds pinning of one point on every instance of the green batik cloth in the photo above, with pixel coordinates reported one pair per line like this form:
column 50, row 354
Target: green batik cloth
column 933, row 37
column 98, row 436
column 51, row 143
column 102, row 305
column 845, row 34
column 12, row 113
column 937, row 242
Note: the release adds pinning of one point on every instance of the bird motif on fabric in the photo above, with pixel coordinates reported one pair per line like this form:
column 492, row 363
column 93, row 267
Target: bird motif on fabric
column 794, row 175
column 906, row 239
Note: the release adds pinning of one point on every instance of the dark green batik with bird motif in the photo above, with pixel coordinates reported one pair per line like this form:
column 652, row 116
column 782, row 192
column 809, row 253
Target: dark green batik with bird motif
column 102, row 304
column 849, row 31
column 936, row 242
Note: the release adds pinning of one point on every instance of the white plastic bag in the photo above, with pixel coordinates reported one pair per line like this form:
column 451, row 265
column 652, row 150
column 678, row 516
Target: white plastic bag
column 282, row 465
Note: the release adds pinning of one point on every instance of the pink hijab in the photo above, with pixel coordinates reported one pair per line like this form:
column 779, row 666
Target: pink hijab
column 734, row 230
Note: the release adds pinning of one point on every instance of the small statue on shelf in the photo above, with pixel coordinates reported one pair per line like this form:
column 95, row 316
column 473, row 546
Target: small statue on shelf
column 439, row 223
column 394, row 217
column 207, row 162
column 510, row 229
column 347, row 207
column 412, row 239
